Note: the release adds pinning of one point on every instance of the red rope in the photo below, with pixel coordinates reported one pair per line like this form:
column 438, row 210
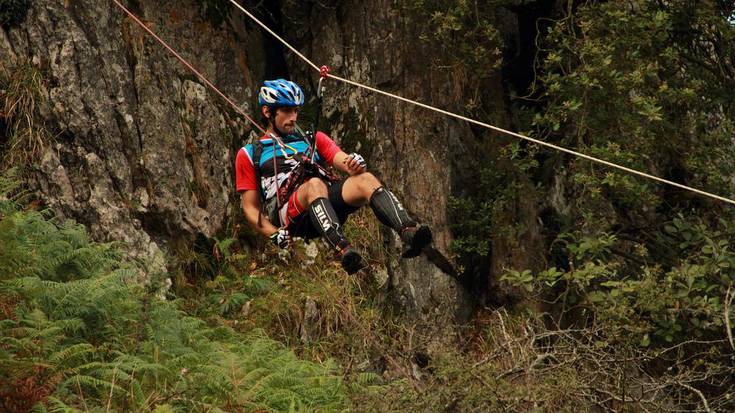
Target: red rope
column 188, row 65
column 324, row 71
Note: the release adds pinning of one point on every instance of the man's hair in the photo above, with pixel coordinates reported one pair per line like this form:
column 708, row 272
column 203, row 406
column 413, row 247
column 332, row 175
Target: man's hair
column 265, row 121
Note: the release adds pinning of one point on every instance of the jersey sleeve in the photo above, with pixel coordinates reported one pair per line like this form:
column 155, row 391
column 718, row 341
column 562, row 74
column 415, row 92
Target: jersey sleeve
column 244, row 172
column 326, row 147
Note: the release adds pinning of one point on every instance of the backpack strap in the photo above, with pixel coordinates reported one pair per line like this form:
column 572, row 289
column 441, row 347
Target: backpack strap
column 257, row 152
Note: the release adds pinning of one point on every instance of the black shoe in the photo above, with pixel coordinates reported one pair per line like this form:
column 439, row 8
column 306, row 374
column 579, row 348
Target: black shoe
column 352, row 262
column 414, row 240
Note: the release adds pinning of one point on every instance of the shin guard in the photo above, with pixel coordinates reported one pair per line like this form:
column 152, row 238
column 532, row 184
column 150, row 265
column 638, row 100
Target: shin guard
column 325, row 220
column 389, row 210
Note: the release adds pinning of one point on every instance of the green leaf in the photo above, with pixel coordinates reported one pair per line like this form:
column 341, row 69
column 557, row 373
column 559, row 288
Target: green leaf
column 596, row 296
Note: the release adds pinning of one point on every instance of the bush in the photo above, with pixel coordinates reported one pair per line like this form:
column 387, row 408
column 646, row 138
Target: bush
column 650, row 304
column 649, row 268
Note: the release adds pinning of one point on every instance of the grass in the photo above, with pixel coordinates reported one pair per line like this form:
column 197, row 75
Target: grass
column 21, row 93
column 500, row 361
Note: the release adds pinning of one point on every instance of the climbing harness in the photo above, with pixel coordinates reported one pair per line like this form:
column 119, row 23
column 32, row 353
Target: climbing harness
column 307, row 167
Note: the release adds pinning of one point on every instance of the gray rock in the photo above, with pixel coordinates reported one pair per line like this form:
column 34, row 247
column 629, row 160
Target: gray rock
column 143, row 152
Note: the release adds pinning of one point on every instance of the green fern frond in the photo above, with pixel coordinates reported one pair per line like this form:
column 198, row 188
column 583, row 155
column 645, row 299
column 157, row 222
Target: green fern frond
column 135, row 393
column 92, row 383
column 131, row 363
column 367, row 378
column 39, row 408
column 186, row 359
column 88, row 367
column 233, row 303
column 255, row 286
column 58, row 406
column 225, row 246
column 69, row 354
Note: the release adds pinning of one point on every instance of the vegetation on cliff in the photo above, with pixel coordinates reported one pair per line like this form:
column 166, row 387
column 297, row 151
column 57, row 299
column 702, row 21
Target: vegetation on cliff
column 643, row 270
column 79, row 331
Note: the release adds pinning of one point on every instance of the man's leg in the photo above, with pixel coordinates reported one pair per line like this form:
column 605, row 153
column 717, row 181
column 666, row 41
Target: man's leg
column 357, row 189
column 323, row 217
column 365, row 188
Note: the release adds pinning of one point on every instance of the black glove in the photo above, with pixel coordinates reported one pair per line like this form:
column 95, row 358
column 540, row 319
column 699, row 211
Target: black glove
column 281, row 238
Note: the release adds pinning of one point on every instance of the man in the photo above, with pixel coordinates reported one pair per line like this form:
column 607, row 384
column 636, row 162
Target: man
column 312, row 203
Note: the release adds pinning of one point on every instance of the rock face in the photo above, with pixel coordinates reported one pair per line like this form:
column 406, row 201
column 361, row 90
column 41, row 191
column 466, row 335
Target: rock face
column 144, row 153
column 421, row 155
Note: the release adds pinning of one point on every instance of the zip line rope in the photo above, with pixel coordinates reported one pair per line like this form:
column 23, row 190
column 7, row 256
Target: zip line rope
column 413, row 102
column 483, row 124
column 268, row 29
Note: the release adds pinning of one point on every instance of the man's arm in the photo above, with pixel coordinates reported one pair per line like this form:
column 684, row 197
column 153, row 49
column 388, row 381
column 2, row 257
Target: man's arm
column 333, row 155
column 347, row 164
column 250, row 201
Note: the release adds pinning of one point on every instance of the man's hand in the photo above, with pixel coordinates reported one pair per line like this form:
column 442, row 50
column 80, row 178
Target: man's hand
column 355, row 163
column 281, row 238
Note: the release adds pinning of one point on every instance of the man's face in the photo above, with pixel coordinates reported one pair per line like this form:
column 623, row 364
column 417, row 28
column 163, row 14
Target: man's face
column 286, row 119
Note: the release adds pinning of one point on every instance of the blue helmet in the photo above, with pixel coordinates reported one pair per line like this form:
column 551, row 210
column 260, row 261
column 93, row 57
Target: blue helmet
column 280, row 92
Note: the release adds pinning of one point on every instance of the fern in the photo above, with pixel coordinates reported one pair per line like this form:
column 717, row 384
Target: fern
column 91, row 382
column 367, row 378
column 83, row 328
column 58, row 406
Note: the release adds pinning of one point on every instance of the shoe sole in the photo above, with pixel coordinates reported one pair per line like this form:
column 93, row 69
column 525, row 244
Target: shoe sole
column 352, row 262
column 420, row 240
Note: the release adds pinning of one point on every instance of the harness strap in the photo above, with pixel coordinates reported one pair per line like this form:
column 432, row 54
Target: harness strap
column 257, row 152
column 305, row 169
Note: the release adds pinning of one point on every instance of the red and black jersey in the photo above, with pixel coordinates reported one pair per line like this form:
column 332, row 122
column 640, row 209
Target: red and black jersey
column 285, row 161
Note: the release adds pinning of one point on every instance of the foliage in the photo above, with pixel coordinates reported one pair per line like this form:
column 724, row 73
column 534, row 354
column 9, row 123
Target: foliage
column 649, row 303
column 646, row 85
column 517, row 363
column 469, row 42
column 633, row 267
column 636, row 300
column 13, row 12
column 467, row 26
column 650, row 310
column 484, row 210
column 313, row 308
column 80, row 332
column 642, row 84
column 473, row 230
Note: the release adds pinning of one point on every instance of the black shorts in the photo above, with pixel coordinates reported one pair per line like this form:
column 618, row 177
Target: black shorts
column 301, row 225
